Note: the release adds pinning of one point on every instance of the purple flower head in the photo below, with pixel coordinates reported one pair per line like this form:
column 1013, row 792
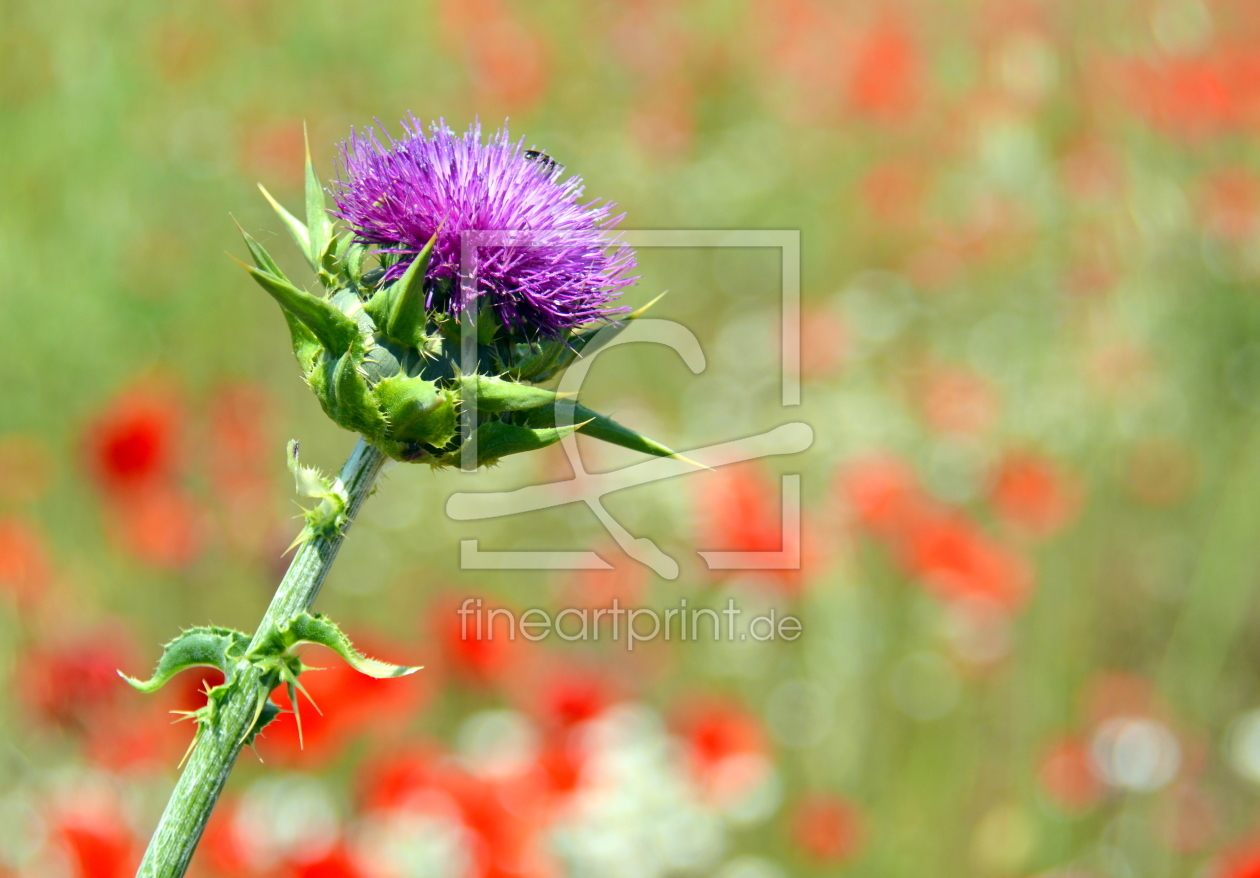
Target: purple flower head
column 397, row 195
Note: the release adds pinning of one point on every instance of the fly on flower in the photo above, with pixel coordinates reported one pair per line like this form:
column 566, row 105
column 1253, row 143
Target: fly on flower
column 380, row 345
column 544, row 161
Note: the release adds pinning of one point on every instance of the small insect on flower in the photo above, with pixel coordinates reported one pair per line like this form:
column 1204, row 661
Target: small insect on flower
column 543, row 160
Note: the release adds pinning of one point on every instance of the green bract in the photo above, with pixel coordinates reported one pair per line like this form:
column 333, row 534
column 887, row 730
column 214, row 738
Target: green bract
column 387, row 367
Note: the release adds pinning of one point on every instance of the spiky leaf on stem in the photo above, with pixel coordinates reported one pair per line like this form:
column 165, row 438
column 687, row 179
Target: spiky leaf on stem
column 269, row 713
column 319, row 629
column 202, row 647
column 329, row 516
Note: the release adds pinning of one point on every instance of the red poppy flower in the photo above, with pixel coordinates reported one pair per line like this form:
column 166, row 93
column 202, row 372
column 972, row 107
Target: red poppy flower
column 959, row 401
column 134, row 442
column 1067, row 776
column 101, row 849
column 478, row 646
column 827, row 828
column 242, row 475
column 85, row 818
column 220, row 846
column 508, row 59
column 824, row 343
column 885, row 78
column 159, row 525
column 955, row 559
column 1187, row 819
column 882, row 492
column 505, row 817
column 238, row 429
column 714, row 733
column 1032, row 495
column 663, row 119
column 1242, row 862
column 590, row 589
column 740, row 510
column 25, row 571
column 71, row 684
column 274, row 150
column 571, row 696
column 337, row 863
column 1198, row 96
column 1113, row 694
column 1229, row 203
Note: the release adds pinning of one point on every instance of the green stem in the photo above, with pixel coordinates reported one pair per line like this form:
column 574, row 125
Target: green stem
column 218, row 745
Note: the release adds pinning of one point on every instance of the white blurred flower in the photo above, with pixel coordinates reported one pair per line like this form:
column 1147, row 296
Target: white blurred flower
column 497, row 743
column 1136, row 753
column 750, row 867
column 285, row 816
column 413, row 843
column 636, row 813
column 746, row 788
column 1243, row 744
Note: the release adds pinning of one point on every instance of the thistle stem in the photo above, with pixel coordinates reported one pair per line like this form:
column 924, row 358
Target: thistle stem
column 218, row 744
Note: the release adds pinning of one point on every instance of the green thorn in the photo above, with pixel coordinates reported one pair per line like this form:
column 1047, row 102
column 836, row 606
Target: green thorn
column 295, row 226
column 318, row 223
column 601, row 427
column 334, row 330
column 261, row 257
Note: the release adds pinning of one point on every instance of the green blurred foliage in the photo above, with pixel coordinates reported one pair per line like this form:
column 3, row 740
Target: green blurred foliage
column 1029, row 231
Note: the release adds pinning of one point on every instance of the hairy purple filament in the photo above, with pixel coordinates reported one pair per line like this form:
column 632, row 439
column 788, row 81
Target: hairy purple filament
column 396, row 195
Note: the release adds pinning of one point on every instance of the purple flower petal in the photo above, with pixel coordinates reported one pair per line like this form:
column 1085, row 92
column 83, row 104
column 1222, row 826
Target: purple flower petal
column 397, row 195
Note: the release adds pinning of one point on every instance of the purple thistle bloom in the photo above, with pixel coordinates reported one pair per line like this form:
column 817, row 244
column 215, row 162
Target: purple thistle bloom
column 397, row 196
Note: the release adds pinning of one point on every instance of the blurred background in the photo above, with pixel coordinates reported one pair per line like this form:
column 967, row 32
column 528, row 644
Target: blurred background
column 1031, row 356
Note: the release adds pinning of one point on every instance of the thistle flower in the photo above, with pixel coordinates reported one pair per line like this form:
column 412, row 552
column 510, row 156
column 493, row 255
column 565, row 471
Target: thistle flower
column 382, row 349
column 397, row 196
